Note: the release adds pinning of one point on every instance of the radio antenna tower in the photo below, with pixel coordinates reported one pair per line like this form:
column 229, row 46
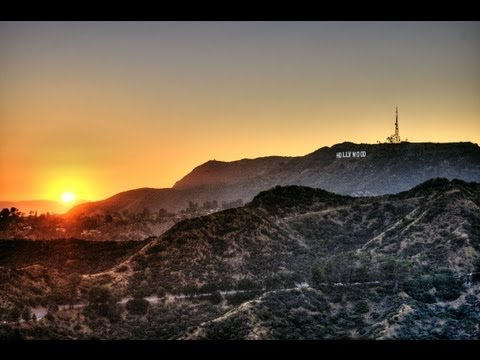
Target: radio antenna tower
column 395, row 138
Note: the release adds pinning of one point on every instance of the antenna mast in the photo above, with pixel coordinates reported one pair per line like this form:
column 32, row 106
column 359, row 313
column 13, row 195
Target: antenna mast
column 395, row 138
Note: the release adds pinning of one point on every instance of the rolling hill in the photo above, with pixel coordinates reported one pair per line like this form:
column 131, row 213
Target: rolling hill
column 288, row 230
column 294, row 263
column 303, row 263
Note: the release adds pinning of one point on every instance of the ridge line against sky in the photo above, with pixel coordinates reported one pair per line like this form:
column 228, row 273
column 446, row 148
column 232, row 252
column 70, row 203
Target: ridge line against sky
column 100, row 107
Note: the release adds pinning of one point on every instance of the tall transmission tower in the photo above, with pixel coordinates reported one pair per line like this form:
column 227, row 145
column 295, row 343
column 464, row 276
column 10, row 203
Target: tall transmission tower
column 395, row 138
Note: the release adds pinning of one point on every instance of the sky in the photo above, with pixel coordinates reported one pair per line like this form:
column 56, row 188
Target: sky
column 97, row 108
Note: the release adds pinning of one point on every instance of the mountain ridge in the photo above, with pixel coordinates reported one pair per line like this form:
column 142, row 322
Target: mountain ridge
column 386, row 168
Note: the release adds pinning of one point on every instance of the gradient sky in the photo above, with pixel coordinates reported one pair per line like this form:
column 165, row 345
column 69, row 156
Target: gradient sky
column 101, row 107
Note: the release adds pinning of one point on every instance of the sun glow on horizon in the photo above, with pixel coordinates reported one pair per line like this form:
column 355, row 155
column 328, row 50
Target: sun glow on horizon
column 57, row 182
column 165, row 97
column 68, row 196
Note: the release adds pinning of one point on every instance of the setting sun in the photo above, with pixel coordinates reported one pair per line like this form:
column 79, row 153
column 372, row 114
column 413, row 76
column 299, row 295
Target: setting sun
column 68, row 197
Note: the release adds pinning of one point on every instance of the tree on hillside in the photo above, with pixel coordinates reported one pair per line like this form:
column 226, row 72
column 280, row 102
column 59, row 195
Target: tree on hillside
column 26, row 314
column 162, row 213
column 14, row 212
column 108, row 218
column 101, row 302
column 73, row 283
column 145, row 214
column 49, row 316
column 4, row 214
column 52, row 307
column 14, row 314
column 4, row 218
column 216, row 297
column 137, row 306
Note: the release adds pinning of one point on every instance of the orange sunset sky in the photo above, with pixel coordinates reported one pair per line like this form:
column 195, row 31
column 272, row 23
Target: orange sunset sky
column 96, row 108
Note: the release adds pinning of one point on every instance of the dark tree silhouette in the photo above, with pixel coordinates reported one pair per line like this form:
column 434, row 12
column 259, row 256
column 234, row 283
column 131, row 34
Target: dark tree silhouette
column 137, row 306
column 4, row 214
column 26, row 314
column 102, row 303
column 74, row 281
column 4, row 217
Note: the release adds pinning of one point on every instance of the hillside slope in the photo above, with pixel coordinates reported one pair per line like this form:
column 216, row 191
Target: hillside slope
column 395, row 266
column 385, row 169
column 294, row 263
column 288, row 230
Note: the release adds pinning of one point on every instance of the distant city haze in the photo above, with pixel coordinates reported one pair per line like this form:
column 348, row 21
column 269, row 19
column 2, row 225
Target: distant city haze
column 96, row 108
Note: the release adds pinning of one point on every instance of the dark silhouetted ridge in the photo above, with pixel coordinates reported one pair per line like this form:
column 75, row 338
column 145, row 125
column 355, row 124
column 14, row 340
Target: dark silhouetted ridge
column 386, row 169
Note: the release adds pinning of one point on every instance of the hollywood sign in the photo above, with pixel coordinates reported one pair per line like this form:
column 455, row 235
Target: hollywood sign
column 351, row 154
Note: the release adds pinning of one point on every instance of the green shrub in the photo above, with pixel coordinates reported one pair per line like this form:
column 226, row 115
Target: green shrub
column 137, row 306
column 239, row 298
column 161, row 292
column 102, row 303
column 14, row 314
column 447, row 287
column 191, row 290
column 215, row 298
column 362, row 307
column 247, row 284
